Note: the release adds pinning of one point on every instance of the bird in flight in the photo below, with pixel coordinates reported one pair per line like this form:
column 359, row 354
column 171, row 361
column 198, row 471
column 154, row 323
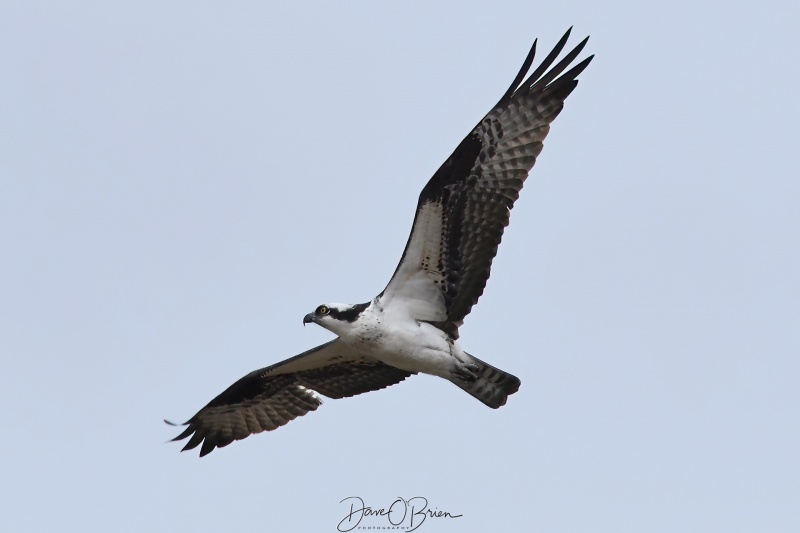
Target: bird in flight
column 412, row 325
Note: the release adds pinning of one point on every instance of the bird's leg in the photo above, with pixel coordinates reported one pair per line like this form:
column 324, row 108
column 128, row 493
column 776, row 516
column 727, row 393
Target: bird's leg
column 466, row 372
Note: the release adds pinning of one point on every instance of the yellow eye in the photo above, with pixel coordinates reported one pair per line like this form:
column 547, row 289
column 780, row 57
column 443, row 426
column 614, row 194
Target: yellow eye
column 323, row 310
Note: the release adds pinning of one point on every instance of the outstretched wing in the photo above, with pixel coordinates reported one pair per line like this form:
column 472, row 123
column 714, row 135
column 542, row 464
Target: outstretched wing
column 464, row 208
column 269, row 398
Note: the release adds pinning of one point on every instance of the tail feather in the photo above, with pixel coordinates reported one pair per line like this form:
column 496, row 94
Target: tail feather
column 493, row 386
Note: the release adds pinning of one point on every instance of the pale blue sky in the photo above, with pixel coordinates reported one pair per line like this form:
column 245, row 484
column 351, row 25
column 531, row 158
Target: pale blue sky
column 179, row 185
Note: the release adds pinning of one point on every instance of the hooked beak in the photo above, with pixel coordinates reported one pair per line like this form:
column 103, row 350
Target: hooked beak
column 309, row 318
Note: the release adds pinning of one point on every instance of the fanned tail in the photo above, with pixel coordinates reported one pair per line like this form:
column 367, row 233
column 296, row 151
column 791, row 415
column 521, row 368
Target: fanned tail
column 493, row 386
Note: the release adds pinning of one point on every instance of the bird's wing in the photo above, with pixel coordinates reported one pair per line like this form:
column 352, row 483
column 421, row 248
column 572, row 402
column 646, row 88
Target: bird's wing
column 269, row 398
column 464, row 208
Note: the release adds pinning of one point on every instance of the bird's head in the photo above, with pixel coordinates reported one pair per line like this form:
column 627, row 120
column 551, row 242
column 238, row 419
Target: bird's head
column 335, row 317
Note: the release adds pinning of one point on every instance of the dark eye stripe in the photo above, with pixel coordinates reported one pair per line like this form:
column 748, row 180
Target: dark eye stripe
column 348, row 315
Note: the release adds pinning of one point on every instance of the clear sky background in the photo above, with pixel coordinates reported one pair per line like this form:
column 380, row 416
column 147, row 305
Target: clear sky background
column 180, row 184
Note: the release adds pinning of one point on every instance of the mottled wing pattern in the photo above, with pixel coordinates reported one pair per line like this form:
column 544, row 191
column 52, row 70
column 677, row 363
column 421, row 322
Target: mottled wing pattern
column 349, row 379
column 465, row 206
column 268, row 398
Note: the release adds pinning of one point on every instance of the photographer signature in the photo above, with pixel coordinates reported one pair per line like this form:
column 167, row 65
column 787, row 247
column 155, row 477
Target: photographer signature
column 412, row 512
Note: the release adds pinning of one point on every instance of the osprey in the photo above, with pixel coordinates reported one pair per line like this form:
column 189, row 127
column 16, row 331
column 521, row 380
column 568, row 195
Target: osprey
column 412, row 326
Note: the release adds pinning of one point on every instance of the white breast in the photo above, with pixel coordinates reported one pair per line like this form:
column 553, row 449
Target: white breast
column 402, row 342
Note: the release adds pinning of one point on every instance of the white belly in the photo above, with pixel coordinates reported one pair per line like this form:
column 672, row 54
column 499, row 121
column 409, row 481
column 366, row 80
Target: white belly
column 409, row 345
